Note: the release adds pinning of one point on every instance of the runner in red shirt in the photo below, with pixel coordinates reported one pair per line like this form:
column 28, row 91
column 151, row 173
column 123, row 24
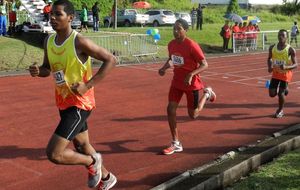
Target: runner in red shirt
column 188, row 61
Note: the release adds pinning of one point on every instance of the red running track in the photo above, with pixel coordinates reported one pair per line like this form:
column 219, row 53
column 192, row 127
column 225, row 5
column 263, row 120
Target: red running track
column 129, row 126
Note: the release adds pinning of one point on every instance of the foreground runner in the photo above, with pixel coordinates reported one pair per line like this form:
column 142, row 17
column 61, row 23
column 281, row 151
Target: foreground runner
column 188, row 60
column 67, row 56
column 281, row 61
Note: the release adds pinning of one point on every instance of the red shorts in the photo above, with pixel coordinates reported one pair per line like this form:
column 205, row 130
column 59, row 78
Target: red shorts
column 192, row 96
column 12, row 16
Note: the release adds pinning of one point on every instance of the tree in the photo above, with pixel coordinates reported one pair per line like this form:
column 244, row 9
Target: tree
column 233, row 7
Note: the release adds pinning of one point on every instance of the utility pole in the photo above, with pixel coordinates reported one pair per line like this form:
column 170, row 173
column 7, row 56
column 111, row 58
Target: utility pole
column 115, row 18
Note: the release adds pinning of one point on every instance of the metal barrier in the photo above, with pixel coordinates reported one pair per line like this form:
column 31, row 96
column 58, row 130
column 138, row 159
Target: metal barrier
column 124, row 45
column 253, row 41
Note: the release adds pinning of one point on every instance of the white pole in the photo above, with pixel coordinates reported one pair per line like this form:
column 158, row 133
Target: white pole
column 115, row 18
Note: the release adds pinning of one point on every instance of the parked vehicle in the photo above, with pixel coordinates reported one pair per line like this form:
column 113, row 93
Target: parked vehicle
column 160, row 17
column 76, row 23
column 127, row 17
column 185, row 16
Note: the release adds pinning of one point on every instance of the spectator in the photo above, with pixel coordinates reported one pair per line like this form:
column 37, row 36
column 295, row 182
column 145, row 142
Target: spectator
column 199, row 17
column 243, row 36
column 84, row 18
column 3, row 18
column 226, row 35
column 236, row 36
column 95, row 10
column 12, row 15
column 250, row 36
column 113, row 14
column 47, row 10
column 255, row 35
column 294, row 33
column 194, row 17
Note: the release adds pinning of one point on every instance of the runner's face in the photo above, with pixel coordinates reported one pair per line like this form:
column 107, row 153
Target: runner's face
column 282, row 36
column 178, row 31
column 59, row 19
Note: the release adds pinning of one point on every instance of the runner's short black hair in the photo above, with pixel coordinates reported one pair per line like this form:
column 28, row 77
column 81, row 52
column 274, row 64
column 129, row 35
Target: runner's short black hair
column 283, row 30
column 68, row 6
column 183, row 23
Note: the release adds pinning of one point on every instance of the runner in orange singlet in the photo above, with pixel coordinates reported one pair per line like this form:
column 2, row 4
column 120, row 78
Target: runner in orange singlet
column 67, row 59
column 281, row 61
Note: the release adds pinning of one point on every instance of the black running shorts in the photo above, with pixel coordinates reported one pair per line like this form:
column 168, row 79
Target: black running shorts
column 72, row 122
column 275, row 83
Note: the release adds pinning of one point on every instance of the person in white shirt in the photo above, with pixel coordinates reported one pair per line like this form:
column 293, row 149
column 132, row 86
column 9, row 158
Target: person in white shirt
column 294, row 33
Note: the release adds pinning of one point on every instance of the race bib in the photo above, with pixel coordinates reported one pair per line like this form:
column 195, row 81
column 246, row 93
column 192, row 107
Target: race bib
column 177, row 60
column 59, row 77
column 279, row 62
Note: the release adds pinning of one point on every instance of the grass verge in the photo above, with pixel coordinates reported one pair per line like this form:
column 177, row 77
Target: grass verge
column 282, row 173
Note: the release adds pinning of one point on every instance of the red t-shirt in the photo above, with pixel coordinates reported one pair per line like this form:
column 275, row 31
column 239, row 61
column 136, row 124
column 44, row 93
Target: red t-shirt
column 185, row 56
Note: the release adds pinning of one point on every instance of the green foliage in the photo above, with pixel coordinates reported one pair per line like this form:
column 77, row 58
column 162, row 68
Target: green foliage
column 281, row 174
column 233, row 7
column 104, row 5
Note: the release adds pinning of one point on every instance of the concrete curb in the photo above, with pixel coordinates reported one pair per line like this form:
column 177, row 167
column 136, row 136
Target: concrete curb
column 241, row 167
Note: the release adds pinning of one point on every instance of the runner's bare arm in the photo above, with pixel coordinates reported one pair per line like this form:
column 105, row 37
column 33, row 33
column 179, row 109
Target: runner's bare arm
column 269, row 61
column 88, row 47
column 202, row 66
column 44, row 70
column 163, row 69
column 292, row 53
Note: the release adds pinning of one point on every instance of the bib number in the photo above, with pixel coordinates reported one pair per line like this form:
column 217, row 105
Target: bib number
column 177, row 60
column 59, row 77
column 278, row 62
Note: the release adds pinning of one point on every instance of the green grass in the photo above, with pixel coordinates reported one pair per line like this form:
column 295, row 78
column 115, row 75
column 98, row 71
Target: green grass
column 282, row 174
column 16, row 54
column 20, row 52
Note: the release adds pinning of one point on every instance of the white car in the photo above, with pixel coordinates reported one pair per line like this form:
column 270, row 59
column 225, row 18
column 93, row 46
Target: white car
column 184, row 16
column 160, row 17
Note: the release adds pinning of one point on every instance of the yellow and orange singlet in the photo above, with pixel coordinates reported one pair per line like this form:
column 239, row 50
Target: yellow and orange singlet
column 67, row 69
column 281, row 57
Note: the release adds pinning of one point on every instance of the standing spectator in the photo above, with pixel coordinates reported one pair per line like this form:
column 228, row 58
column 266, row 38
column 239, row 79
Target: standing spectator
column 294, row 33
column 250, row 36
column 281, row 61
column 12, row 15
column 84, row 18
column 255, row 35
column 199, row 17
column 236, row 36
column 113, row 14
column 194, row 17
column 243, row 36
column 47, row 10
column 3, row 18
column 95, row 10
column 226, row 35
column 188, row 62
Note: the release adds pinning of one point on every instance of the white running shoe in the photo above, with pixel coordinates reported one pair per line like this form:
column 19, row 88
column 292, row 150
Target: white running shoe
column 108, row 184
column 94, row 170
column 211, row 94
column 279, row 114
column 173, row 148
